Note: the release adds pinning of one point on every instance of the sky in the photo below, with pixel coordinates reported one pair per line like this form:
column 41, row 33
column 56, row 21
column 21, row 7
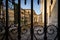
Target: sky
column 36, row 7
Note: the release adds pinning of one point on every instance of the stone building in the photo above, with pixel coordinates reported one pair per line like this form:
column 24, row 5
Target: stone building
column 35, row 18
column 52, row 11
column 42, row 9
column 53, row 15
column 11, row 15
column 28, row 16
column 40, row 20
column 25, row 16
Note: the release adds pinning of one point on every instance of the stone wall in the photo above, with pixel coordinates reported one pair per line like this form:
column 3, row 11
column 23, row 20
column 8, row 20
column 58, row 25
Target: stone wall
column 54, row 15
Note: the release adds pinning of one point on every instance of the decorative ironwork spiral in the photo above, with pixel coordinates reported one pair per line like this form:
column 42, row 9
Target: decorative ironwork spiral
column 39, row 32
column 51, row 31
column 24, row 31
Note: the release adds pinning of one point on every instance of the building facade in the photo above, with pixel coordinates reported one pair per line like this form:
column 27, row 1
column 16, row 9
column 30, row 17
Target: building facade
column 52, row 9
column 40, row 22
column 42, row 9
column 53, row 18
column 28, row 16
column 25, row 16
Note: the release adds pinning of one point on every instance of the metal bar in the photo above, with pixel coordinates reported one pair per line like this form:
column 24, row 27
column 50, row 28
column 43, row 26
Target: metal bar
column 15, row 10
column 6, row 28
column 25, row 2
column 51, row 1
column 19, row 18
column 45, row 20
column 38, row 1
column 0, row 7
column 31, row 19
column 58, row 21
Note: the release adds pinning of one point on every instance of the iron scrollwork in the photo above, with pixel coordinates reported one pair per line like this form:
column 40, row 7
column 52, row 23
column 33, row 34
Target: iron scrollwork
column 40, row 31
column 51, row 32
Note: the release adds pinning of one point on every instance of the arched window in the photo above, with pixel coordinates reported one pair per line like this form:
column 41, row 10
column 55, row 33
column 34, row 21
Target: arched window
column 51, row 2
column 50, row 11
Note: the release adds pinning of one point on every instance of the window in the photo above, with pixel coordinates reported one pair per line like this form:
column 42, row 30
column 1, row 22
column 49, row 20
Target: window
column 50, row 11
column 22, row 12
column 51, row 2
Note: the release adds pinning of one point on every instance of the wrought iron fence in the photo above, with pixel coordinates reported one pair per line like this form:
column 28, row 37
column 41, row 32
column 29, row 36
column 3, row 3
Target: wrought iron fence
column 34, row 33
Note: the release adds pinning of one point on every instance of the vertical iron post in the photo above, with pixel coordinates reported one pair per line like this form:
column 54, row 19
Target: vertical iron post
column 38, row 1
column 25, row 2
column 58, row 21
column 31, row 19
column 6, row 28
column 45, row 19
column 19, row 20
column 0, row 8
